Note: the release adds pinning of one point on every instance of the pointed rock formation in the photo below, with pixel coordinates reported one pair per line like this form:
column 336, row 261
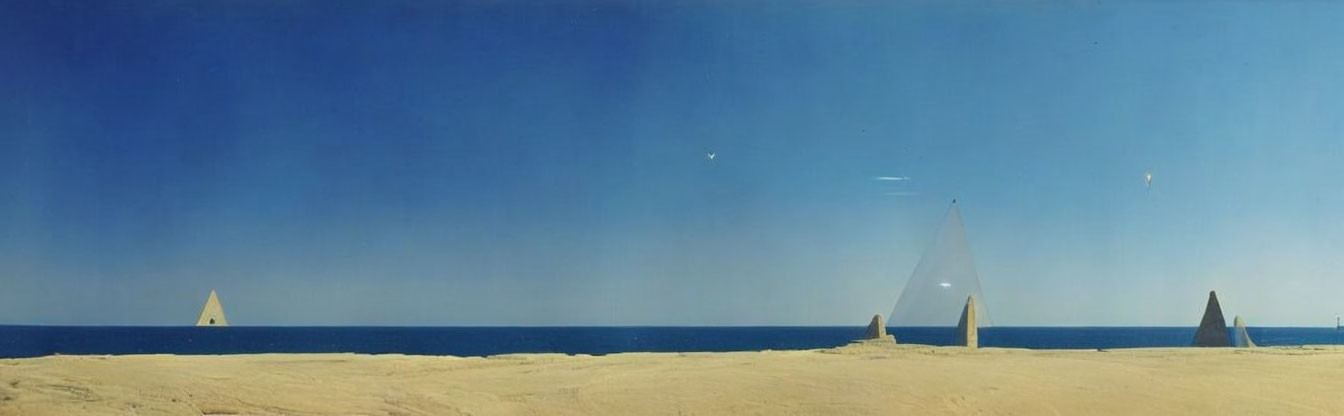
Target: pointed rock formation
column 967, row 334
column 877, row 330
column 212, row 314
column 1241, row 338
column 1212, row 330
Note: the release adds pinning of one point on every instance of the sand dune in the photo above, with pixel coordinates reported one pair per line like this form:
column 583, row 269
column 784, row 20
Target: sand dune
column 861, row 379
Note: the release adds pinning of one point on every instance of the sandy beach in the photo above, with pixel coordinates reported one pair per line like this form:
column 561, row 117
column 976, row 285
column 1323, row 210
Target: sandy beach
column 858, row 379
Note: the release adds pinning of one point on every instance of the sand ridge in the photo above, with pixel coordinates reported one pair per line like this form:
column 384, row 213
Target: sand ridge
column 864, row 378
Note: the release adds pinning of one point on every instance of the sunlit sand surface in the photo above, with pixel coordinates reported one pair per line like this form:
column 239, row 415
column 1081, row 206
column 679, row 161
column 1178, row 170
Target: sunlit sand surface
column 861, row 379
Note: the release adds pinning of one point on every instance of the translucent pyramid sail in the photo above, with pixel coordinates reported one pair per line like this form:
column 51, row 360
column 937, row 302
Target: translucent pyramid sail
column 1240, row 338
column 213, row 313
column 936, row 292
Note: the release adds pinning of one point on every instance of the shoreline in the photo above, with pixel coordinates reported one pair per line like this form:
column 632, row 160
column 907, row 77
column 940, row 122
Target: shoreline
column 861, row 378
column 856, row 345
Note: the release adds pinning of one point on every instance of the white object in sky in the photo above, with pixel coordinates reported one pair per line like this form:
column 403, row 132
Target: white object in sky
column 212, row 314
column 710, row 155
column 945, row 284
column 1148, row 179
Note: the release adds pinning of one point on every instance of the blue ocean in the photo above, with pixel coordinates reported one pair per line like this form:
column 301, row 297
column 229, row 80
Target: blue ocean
column 33, row 341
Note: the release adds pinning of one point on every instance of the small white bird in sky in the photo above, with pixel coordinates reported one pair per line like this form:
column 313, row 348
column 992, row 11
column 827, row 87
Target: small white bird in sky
column 710, row 155
column 1148, row 179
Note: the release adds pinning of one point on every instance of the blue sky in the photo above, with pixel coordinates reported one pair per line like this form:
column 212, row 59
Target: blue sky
column 521, row 163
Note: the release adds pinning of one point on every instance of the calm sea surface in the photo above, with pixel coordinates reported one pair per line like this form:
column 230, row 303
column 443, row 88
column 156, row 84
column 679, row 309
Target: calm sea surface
column 31, row 341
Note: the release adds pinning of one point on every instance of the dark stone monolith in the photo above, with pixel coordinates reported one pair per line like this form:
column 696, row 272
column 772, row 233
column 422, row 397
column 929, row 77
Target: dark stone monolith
column 1212, row 330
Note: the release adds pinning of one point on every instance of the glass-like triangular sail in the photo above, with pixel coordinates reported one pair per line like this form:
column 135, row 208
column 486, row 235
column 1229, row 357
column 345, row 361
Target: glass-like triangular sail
column 1240, row 338
column 937, row 290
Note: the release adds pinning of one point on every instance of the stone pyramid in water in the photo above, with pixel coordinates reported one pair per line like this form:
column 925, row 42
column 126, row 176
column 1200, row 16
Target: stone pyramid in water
column 941, row 282
column 213, row 313
column 1212, row 330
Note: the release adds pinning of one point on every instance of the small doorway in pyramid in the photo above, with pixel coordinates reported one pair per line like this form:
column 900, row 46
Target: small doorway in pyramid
column 212, row 314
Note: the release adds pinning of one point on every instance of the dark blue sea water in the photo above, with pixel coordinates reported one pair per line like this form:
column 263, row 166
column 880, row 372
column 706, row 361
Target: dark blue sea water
column 31, row 341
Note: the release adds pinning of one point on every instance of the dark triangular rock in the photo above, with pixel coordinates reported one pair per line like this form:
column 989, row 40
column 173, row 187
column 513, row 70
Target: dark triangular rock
column 1212, row 330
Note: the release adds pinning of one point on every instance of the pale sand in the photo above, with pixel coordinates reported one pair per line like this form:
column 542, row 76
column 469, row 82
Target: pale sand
column 846, row 381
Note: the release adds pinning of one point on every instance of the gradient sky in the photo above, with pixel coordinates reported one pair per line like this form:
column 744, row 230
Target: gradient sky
column 536, row 163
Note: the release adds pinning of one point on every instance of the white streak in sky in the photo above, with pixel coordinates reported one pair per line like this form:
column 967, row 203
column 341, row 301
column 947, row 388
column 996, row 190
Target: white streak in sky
column 891, row 178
